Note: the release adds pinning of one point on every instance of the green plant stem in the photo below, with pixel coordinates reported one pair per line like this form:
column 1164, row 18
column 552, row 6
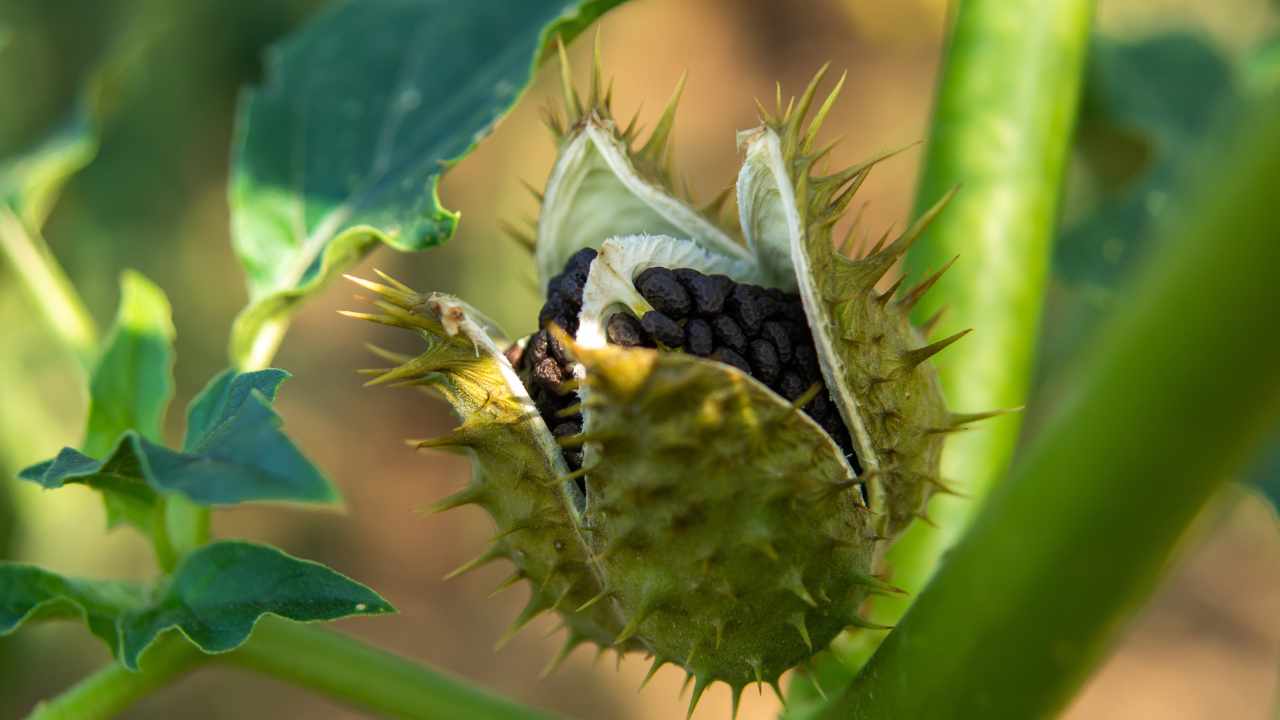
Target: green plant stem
column 47, row 286
column 1182, row 385
column 1001, row 131
column 112, row 689
column 354, row 673
column 187, row 525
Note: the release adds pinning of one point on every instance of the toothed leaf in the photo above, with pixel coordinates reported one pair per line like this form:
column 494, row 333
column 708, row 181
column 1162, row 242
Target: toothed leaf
column 361, row 112
column 133, row 381
column 220, row 591
column 28, row 592
column 234, row 452
column 214, row 597
column 130, row 390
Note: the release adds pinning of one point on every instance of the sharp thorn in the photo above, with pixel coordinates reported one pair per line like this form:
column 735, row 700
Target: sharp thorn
column 914, row 358
column 913, row 295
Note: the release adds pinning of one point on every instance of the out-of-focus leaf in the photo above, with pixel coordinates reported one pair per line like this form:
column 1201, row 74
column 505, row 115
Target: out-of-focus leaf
column 361, row 112
column 1262, row 70
column 215, row 597
column 129, row 391
column 234, row 452
column 221, row 590
column 133, row 381
column 1264, row 475
column 28, row 592
column 1159, row 97
column 30, row 183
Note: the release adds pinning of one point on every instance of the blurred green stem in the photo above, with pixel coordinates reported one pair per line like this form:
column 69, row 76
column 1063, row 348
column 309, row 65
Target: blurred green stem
column 306, row 655
column 366, row 677
column 113, row 689
column 1183, row 385
column 47, row 286
column 1001, row 131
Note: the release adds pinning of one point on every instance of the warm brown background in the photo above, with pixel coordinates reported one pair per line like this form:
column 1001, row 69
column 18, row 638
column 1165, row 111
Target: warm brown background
column 1207, row 646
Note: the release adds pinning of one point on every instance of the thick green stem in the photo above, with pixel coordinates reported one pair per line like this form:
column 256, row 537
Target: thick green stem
column 1183, row 384
column 113, row 689
column 1001, row 131
column 374, row 680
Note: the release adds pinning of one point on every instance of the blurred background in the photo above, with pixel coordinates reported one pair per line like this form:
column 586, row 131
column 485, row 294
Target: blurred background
column 1164, row 73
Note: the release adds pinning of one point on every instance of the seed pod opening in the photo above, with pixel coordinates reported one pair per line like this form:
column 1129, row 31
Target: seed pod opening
column 709, row 442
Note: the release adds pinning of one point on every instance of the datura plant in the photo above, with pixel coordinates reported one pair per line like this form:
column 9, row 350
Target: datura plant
column 719, row 428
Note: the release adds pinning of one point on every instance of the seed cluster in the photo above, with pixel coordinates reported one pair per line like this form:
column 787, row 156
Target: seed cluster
column 544, row 365
column 761, row 331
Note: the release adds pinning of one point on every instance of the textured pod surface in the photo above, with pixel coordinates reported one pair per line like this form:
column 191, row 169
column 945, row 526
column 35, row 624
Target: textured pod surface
column 708, row 520
column 519, row 475
column 724, row 519
column 872, row 357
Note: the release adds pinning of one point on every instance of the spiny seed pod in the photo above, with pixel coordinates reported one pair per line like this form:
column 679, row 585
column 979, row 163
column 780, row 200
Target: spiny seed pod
column 710, row 442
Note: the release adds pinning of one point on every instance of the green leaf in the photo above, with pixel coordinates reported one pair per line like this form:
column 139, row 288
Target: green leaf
column 1264, row 475
column 215, row 597
column 133, row 381
column 30, row 183
column 235, row 452
column 360, row 114
column 1149, row 105
column 223, row 398
column 221, row 590
column 28, row 593
column 1262, row 68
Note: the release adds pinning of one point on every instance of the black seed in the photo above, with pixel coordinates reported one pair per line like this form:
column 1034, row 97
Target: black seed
column 775, row 302
column 688, row 277
column 660, row 287
column 547, row 374
column 549, row 312
column 764, row 360
column 569, row 286
column 566, row 428
column 749, row 305
column 798, row 331
column 807, row 361
column 662, row 328
column 819, row 405
column 536, row 350
column 698, row 338
column 728, row 333
column 625, row 330
column 708, row 293
column 729, row 357
column 573, row 458
column 791, row 385
column 581, row 260
column 561, row 353
column 776, row 333
column 835, row 428
column 793, row 310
